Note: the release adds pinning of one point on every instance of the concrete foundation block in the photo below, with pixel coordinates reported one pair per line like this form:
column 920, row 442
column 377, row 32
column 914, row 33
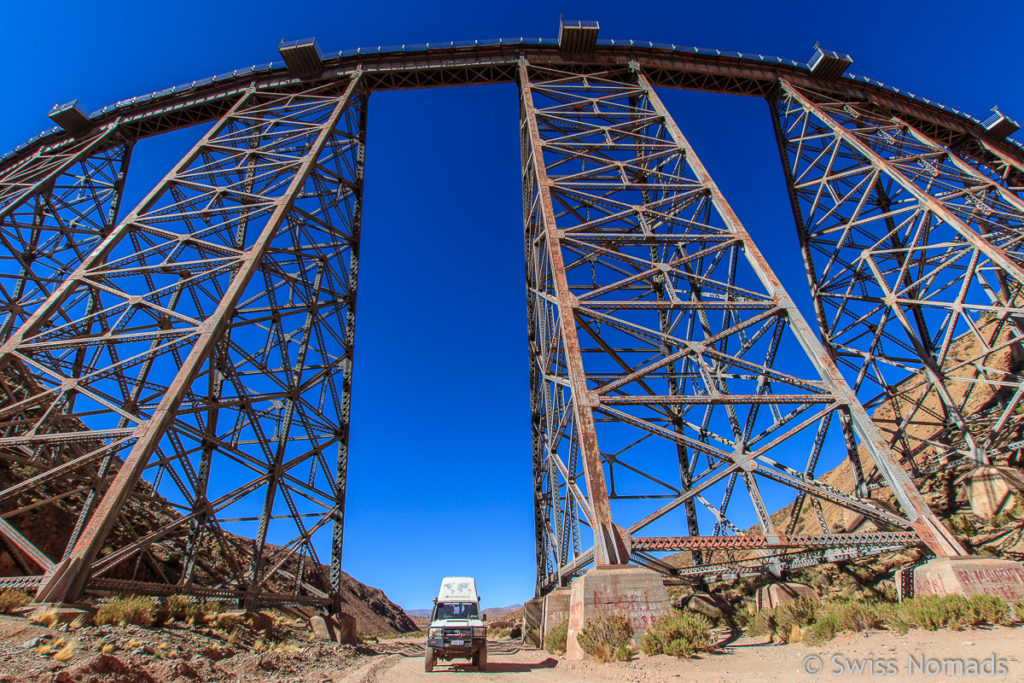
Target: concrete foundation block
column 340, row 628
column 636, row 593
column 555, row 611
column 970, row 576
column 533, row 613
column 775, row 594
column 347, row 629
column 320, row 628
column 991, row 490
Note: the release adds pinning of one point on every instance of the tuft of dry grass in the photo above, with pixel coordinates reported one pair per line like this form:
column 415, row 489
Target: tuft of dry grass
column 66, row 652
column 11, row 600
column 46, row 618
column 107, row 648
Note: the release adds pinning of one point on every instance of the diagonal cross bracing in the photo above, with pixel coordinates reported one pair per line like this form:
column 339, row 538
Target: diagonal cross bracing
column 54, row 209
column 914, row 255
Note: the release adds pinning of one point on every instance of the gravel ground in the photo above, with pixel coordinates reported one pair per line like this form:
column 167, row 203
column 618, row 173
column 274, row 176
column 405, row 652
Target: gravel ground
column 180, row 654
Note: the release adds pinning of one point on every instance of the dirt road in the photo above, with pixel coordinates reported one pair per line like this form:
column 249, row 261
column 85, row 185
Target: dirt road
column 916, row 656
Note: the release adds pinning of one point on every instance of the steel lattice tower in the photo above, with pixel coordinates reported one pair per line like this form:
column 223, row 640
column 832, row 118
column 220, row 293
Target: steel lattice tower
column 914, row 259
column 150, row 356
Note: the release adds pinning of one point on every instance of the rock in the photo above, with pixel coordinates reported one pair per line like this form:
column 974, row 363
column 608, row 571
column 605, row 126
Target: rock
column 32, row 643
column 185, row 670
column 774, row 594
column 259, row 621
column 992, row 490
column 215, row 654
column 711, row 605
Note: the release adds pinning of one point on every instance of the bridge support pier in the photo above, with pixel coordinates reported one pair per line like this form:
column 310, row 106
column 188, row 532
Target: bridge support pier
column 608, row 590
column 555, row 610
column 965, row 576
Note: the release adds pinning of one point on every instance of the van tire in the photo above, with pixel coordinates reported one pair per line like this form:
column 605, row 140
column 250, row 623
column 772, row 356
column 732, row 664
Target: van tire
column 481, row 658
column 429, row 660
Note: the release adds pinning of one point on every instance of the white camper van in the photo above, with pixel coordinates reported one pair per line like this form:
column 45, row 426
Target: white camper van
column 457, row 625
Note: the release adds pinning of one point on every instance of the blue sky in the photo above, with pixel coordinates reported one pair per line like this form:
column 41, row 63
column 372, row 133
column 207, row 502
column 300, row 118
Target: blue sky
column 440, row 473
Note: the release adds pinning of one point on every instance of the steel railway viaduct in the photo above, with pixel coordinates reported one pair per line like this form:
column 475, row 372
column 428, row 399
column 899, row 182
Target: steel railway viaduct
column 193, row 356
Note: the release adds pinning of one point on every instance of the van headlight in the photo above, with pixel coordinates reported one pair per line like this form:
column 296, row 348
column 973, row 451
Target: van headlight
column 480, row 631
column 433, row 632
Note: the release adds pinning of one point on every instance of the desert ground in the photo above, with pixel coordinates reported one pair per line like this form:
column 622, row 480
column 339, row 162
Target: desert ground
column 133, row 654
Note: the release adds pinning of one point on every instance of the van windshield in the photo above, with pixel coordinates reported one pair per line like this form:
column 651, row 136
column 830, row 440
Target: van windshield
column 455, row 610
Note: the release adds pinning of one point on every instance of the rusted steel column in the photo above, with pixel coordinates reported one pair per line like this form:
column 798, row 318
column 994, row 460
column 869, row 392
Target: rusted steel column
column 931, row 531
column 345, row 414
column 609, row 544
column 68, row 578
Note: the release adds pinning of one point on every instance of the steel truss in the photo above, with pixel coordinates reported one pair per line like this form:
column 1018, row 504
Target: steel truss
column 186, row 371
column 196, row 359
column 53, row 210
column 661, row 341
column 914, row 255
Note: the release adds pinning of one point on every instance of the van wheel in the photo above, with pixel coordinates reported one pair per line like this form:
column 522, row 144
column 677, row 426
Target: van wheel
column 481, row 659
column 429, row 660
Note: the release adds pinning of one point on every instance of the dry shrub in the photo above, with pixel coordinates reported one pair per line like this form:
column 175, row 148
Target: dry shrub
column 602, row 652
column 817, row 621
column 680, row 634
column 136, row 609
column 834, row 618
column 990, row 609
column 555, row 641
column 230, row 622
column 932, row 612
column 178, row 608
column 603, row 637
column 11, row 600
column 46, row 618
column 788, row 619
